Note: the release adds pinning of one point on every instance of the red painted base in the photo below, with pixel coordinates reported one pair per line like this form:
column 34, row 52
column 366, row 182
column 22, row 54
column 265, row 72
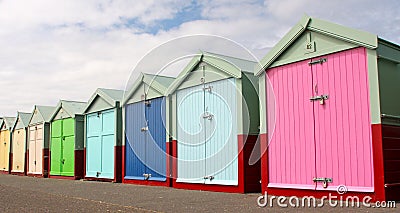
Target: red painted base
column 249, row 176
column 4, row 172
column 62, row 177
column 98, row 179
column 35, row 175
column 46, row 162
column 18, row 173
column 79, row 168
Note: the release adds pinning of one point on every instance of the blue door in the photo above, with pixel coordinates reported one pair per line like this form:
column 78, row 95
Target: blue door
column 135, row 134
column 146, row 140
column 207, row 133
column 100, row 141
column 156, row 139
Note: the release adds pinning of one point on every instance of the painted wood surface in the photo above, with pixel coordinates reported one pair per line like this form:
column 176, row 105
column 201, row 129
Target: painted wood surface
column 4, row 150
column 310, row 139
column 100, row 142
column 35, row 161
column 18, row 150
column 208, row 146
column 146, row 140
column 62, row 147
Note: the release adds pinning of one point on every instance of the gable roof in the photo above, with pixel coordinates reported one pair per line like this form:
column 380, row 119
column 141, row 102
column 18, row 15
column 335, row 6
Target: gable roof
column 45, row 112
column 157, row 82
column 227, row 64
column 8, row 122
column 24, row 117
column 71, row 107
column 111, row 96
column 358, row 37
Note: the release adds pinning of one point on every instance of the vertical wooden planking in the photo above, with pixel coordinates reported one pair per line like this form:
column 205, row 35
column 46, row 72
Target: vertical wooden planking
column 156, row 141
column 221, row 133
column 291, row 148
column 32, row 150
column 190, row 135
column 107, row 143
column 342, row 133
column 93, row 145
column 135, row 141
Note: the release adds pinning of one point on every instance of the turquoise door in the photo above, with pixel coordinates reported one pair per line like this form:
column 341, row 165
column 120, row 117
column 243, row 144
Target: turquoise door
column 221, row 145
column 100, row 140
column 207, row 133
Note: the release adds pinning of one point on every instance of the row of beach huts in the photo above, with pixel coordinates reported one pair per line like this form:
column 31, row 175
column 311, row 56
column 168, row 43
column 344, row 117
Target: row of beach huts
column 321, row 110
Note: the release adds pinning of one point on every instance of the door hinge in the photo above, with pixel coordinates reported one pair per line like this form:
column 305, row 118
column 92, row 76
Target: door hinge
column 147, row 103
column 324, row 181
column 320, row 98
column 146, row 176
column 208, row 89
column 208, row 178
column 320, row 61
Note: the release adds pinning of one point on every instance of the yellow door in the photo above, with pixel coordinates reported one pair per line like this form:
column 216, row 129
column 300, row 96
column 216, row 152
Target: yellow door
column 18, row 150
column 4, row 150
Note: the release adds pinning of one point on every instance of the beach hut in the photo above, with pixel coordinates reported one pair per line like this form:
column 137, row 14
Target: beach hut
column 66, row 142
column 146, row 139
column 215, row 118
column 5, row 143
column 103, row 135
column 19, row 141
column 38, row 141
column 330, row 118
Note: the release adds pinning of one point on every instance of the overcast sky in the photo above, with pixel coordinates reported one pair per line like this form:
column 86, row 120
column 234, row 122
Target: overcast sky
column 51, row 50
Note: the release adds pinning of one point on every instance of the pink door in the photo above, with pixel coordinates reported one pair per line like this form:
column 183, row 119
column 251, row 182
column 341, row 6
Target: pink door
column 320, row 144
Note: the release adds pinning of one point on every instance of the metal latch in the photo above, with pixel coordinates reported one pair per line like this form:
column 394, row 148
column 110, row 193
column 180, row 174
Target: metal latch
column 208, row 89
column 98, row 174
column 146, row 128
column 34, row 162
column 63, row 161
column 320, row 98
column 63, row 138
column 146, row 176
column 147, row 103
column 320, row 61
column 208, row 115
column 208, row 178
column 324, row 181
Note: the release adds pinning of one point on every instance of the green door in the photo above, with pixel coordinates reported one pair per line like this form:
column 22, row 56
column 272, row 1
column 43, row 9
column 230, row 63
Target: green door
column 62, row 147
column 55, row 147
column 68, row 147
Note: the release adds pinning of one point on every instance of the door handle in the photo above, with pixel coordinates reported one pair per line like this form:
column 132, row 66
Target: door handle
column 208, row 116
column 320, row 98
column 208, row 178
column 63, row 161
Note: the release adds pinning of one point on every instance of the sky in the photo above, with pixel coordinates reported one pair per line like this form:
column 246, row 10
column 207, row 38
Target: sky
column 52, row 50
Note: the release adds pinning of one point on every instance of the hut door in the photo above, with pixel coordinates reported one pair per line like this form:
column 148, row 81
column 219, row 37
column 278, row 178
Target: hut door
column 342, row 121
column 100, row 144
column 291, row 147
column 93, row 145
column 135, row 126
column 191, row 135
column 32, row 150
column 322, row 135
column 155, row 139
column 107, row 144
column 221, row 147
column 62, row 147
column 3, row 147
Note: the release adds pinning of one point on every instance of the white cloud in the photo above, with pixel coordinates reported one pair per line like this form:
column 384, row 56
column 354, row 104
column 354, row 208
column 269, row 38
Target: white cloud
column 54, row 50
